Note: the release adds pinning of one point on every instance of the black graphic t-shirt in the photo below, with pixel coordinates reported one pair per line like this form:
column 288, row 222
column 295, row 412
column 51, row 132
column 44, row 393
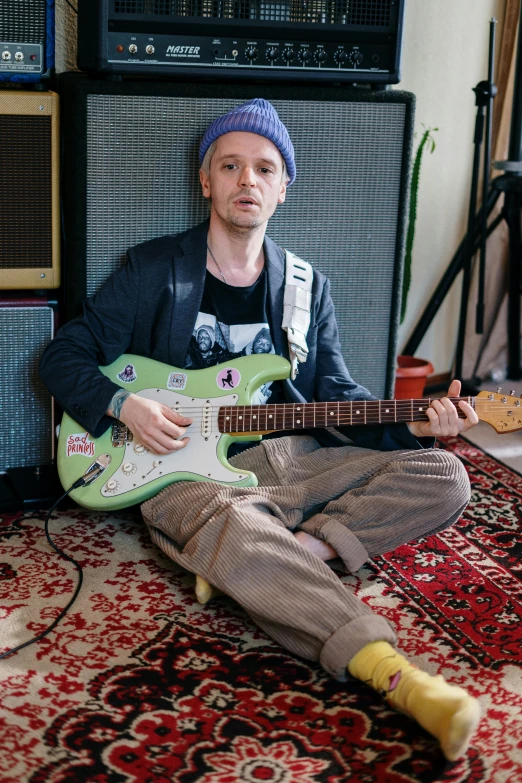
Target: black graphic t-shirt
column 233, row 322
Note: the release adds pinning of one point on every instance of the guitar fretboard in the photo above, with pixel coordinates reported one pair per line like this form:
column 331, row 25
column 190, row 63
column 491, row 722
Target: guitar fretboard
column 288, row 416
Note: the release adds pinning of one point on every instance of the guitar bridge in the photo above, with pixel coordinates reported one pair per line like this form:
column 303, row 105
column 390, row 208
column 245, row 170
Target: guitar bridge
column 121, row 435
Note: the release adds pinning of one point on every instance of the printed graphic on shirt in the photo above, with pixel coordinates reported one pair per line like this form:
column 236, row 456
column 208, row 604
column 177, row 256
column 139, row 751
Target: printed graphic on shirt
column 213, row 342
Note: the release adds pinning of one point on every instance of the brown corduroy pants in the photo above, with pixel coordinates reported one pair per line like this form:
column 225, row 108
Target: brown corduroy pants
column 362, row 502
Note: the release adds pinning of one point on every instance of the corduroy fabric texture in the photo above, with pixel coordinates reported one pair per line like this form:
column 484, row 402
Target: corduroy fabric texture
column 363, row 502
column 255, row 116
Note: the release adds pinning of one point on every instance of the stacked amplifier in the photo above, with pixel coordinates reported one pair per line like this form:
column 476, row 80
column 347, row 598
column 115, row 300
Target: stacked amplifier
column 130, row 162
column 26, row 40
column 29, row 232
column 291, row 40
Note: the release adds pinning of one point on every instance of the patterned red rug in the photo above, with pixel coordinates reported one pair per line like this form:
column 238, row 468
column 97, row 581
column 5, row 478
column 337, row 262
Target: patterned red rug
column 140, row 684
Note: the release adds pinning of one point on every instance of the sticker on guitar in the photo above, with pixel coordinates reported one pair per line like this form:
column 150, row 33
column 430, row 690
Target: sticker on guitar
column 228, row 378
column 79, row 443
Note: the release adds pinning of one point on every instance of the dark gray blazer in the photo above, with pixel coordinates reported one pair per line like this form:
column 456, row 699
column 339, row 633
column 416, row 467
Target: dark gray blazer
column 149, row 307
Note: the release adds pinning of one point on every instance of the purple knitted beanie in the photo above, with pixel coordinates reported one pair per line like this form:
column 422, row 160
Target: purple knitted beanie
column 255, row 116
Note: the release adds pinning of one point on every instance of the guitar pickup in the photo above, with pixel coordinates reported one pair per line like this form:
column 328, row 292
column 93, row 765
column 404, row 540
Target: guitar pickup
column 121, row 435
column 206, row 419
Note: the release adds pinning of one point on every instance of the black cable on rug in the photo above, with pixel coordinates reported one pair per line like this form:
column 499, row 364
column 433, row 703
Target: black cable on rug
column 81, row 482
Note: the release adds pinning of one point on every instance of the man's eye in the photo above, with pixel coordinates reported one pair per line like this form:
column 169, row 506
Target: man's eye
column 229, row 166
column 264, row 170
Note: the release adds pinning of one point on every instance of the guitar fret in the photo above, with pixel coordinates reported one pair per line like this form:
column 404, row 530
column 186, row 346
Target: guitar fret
column 274, row 417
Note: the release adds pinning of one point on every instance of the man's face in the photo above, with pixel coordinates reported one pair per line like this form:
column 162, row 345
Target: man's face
column 262, row 345
column 245, row 181
column 204, row 341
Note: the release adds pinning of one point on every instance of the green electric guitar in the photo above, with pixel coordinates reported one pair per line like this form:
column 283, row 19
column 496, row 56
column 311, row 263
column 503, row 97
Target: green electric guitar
column 120, row 471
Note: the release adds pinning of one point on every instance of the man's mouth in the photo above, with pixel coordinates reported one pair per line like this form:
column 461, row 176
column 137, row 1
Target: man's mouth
column 245, row 200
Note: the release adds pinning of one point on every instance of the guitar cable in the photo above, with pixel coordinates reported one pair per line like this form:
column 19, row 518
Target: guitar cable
column 92, row 473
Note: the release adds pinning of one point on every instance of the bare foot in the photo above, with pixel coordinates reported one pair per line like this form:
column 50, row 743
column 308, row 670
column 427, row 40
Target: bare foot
column 319, row 548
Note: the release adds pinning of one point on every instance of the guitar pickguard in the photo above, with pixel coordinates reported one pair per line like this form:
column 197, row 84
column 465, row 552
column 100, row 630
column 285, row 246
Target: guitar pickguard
column 199, row 457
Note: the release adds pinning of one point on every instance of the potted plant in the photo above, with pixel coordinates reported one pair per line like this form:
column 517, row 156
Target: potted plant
column 411, row 373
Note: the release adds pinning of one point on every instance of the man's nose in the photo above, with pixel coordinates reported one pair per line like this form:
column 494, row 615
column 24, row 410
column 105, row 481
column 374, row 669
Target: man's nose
column 247, row 177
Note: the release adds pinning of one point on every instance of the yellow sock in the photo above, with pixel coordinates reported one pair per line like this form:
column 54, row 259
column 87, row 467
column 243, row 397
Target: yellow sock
column 205, row 591
column 446, row 711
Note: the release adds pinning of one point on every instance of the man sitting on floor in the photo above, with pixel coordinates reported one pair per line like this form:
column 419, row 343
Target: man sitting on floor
column 317, row 498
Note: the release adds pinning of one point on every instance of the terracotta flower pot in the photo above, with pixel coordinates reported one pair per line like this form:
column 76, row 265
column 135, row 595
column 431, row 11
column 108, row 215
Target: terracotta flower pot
column 410, row 377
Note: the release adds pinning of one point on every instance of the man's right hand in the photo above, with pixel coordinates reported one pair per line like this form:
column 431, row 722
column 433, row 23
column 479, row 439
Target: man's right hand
column 155, row 425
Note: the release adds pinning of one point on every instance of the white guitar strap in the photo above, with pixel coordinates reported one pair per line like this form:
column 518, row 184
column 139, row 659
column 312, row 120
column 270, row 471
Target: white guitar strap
column 296, row 312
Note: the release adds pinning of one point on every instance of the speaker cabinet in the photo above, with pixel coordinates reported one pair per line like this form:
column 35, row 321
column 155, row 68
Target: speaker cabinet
column 29, row 197
column 131, row 173
column 26, row 40
column 26, row 409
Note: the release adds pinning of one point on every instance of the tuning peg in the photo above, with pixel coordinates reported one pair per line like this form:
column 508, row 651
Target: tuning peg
column 511, row 392
column 499, row 389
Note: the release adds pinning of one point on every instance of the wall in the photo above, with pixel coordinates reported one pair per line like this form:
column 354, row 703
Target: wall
column 445, row 56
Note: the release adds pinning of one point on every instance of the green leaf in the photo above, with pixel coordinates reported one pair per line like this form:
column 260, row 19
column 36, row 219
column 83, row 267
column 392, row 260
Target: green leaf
column 427, row 142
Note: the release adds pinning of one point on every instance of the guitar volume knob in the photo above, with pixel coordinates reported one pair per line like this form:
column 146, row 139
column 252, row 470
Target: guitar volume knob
column 140, row 449
column 129, row 468
column 112, row 486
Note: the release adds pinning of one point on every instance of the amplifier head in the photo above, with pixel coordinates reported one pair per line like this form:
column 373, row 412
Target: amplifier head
column 26, row 40
column 29, row 197
column 277, row 40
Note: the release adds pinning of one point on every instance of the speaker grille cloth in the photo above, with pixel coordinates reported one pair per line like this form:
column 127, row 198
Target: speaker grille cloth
column 341, row 214
column 25, row 404
column 25, row 198
column 22, row 21
column 345, row 12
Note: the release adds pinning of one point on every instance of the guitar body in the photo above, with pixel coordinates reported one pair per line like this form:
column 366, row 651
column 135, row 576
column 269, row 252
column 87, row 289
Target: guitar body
column 135, row 474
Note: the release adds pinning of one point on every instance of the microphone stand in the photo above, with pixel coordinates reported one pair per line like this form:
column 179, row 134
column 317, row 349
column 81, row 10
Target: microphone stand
column 478, row 231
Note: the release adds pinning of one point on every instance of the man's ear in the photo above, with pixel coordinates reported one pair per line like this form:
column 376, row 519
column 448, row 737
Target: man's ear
column 282, row 193
column 205, row 183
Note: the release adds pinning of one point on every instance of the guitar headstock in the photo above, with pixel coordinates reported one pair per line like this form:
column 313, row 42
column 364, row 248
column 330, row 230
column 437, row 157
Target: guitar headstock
column 502, row 412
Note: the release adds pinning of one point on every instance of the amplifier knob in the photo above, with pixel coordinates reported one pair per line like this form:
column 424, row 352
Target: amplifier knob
column 356, row 57
column 150, row 49
column 288, row 54
column 19, row 56
column 340, row 56
column 320, row 56
column 251, row 53
column 133, row 48
column 271, row 53
column 304, row 55
column 6, row 55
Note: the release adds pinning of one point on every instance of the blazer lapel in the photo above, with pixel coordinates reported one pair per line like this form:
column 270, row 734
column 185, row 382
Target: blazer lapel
column 189, row 268
column 275, row 266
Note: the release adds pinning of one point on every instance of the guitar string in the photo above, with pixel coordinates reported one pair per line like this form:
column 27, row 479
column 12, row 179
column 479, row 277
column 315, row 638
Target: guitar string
column 293, row 409
column 401, row 410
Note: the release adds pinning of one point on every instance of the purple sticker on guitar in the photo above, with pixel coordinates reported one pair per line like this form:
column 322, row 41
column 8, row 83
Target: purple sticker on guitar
column 228, row 378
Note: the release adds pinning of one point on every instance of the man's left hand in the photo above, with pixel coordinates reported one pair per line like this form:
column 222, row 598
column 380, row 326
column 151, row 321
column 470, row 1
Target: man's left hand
column 443, row 417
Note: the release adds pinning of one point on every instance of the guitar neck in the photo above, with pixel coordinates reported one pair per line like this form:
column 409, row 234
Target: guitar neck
column 297, row 416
